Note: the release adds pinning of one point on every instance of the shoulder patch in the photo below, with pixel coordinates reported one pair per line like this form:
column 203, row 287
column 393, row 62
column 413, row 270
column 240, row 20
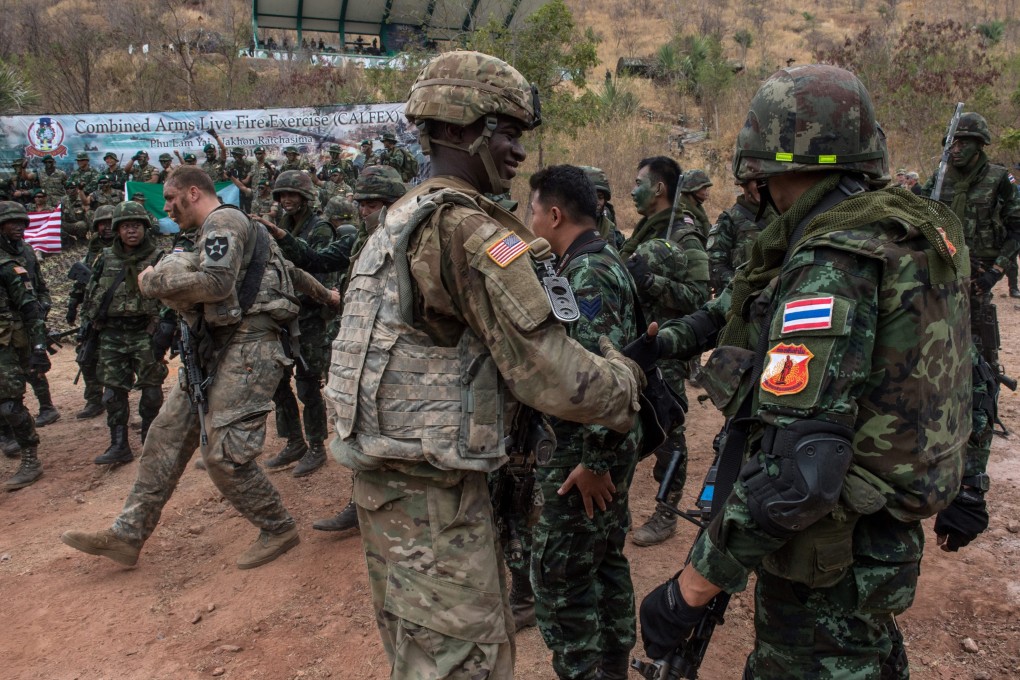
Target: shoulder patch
column 21, row 271
column 810, row 314
column 787, row 369
column 1012, row 179
column 507, row 249
column 590, row 306
column 216, row 247
column 688, row 219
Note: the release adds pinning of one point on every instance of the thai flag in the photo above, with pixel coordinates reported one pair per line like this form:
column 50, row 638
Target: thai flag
column 807, row 315
column 43, row 232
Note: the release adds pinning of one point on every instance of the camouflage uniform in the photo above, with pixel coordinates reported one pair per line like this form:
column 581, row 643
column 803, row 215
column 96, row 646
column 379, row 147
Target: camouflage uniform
column 110, row 196
column 74, row 221
column 54, row 183
column 344, row 165
column 694, row 180
column 87, row 178
column 730, row 241
column 117, row 174
column 330, row 189
column 262, row 205
column 398, row 158
column 144, row 173
column 24, row 183
column 262, row 171
column 25, row 255
column 297, row 163
column 474, row 319
column 584, row 598
column 868, row 374
column 606, row 223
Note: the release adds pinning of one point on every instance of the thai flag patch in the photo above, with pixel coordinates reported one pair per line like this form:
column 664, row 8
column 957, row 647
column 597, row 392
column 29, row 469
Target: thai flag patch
column 807, row 315
column 507, row 249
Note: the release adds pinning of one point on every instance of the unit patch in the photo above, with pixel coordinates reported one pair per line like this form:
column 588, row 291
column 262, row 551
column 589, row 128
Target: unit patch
column 787, row 369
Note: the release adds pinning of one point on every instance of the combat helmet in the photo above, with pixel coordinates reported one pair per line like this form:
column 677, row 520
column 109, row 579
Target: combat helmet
column 810, row 118
column 339, row 208
column 695, row 180
column 973, row 125
column 104, row 213
column 461, row 87
column 238, row 151
column 12, row 211
column 294, row 180
column 127, row 211
column 597, row 176
column 381, row 182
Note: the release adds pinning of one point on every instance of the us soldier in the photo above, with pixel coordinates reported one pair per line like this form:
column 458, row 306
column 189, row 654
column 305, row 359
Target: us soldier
column 398, row 157
column 85, row 176
column 102, row 223
column 584, row 598
column 734, row 233
column 865, row 292
column 694, row 193
column 241, row 313
column 215, row 163
column 166, row 163
column 294, row 160
column 666, row 256
column 116, row 173
column 139, row 170
column 606, row 224
column 23, row 326
column 294, row 192
column 336, row 160
column 74, row 223
column 53, row 182
column 133, row 339
column 476, row 316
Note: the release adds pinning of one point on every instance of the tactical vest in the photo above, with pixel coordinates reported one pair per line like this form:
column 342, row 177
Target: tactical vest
column 404, row 398
column 123, row 303
column 982, row 226
column 309, row 307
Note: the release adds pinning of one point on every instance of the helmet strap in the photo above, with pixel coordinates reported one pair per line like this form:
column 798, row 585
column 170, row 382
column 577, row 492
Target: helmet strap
column 765, row 197
column 479, row 147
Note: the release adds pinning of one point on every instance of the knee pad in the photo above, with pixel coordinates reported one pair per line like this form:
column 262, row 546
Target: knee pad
column 11, row 409
column 113, row 396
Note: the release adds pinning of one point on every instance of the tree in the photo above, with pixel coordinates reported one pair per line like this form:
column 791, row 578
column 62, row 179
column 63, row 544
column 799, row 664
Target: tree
column 743, row 38
column 16, row 93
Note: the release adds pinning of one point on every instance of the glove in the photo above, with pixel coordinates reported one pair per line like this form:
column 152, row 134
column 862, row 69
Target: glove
column 610, row 352
column 666, row 619
column 645, row 351
column 163, row 337
column 986, row 280
column 72, row 314
column 964, row 519
column 38, row 362
column 638, row 267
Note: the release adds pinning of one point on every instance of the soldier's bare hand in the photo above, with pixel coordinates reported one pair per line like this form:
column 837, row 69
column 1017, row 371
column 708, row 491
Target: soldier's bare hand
column 334, row 298
column 592, row 487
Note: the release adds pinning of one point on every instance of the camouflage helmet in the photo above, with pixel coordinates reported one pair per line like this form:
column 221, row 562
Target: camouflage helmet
column 128, row 211
column 335, row 148
column 597, row 176
column 460, row 87
column 209, row 147
column 12, row 211
column 290, row 149
column 104, row 213
column 389, row 137
column 165, row 157
column 82, row 156
column 379, row 182
column 340, row 208
column 294, row 180
column 694, row 180
column 973, row 125
column 810, row 118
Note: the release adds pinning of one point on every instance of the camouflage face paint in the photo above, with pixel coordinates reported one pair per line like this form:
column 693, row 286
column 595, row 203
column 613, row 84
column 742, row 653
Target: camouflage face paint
column 963, row 151
column 643, row 193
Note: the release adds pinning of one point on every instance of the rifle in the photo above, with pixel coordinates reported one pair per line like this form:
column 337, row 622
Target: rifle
column 53, row 339
column 192, row 378
column 88, row 346
column 676, row 204
column 79, row 273
column 940, row 175
column 686, row 659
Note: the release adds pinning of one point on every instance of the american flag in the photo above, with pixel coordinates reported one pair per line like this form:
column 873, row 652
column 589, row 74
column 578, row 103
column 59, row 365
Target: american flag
column 507, row 249
column 43, row 232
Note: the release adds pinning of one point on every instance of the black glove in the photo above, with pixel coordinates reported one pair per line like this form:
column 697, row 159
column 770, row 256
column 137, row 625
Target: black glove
column 163, row 337
column 638, row 267
column 72, row 313
column 666, row 619
column 644, row 351
column 38, row 362
column 986, row 280
column 963, row 520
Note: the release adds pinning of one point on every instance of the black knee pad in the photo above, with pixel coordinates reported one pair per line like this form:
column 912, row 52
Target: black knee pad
column 113, row 396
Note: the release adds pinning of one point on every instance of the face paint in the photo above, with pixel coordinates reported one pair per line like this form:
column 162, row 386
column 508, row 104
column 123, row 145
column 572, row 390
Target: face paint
column 963, row 151
column 642, row 194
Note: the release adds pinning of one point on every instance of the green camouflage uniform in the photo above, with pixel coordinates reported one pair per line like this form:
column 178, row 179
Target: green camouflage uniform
column 214, row 168
column 689, row 204
column 23, row 187
column 261, row 171
column 261, row 205
column 330, row 189
column 111, row 197
column 584, row 598
column 117, row 177
column 298, row 163
column 250, row 366
column 143, row 173
column 78, row 297
column 730, row 241
column 88, row 179
column 26, row 256
column 399, row 160
column 74, row 219
column 21, row 327
column 346, row 168
column 55, row 186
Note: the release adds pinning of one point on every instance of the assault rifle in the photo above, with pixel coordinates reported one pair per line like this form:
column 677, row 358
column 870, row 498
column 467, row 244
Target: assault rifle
column 192, row 378
column 53, row 339
column 79, row 273
column 88, row 346
column 940, row 175
column 686, row 659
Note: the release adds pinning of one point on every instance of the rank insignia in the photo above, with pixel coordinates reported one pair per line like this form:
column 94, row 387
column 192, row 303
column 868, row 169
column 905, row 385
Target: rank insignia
column 787, row 369
column 507, row 249
column 590, row 307
column 216, row 247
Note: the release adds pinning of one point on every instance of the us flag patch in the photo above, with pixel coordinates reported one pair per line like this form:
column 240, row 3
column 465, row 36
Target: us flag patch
column 1012, row 179
column 807, row 315
column 507, row 249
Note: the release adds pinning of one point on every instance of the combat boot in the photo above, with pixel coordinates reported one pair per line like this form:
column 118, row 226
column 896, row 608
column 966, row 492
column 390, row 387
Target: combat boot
column 314, row 459
column 119, row 451
column 613, row 667
column 660, row 526
column 103, row 543
column 91, row 410
column 342, row 521
column 29, row 471
column 522, row 599
column 267, row 547
column 48, row 414
column 1014, row 292
column 291, row 453
column 10, row 446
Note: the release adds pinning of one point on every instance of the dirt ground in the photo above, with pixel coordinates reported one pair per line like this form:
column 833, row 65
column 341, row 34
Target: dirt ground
column 186, row 612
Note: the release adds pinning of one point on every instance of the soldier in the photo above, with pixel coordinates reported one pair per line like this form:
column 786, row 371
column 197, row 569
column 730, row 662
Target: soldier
column 334, row 186
column 694, row 193
column 262, row 169
column 241, row 292
column 293, row 190
column 733, row 235
column 187, row 159
column 116, row 173
column 166, row 163
column 139, row 170
column 584, row 598
column 24, row 183
column 398, row 157
column 367, row 156
column 666, row 256
column 133, row 340
column 40, row 202
column 23, row 327
column 855, row 429
column 606, row 224
column 106, row 194
column 264, row 205
column 238, row 171
column 294, row 160
column 215, row 163
column 74, row 224
column 336, row 160
column 53, row 182
column 85, row 176
column 476, row 316
column 102, row 223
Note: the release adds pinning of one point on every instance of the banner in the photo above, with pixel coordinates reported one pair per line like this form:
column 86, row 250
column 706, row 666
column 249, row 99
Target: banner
column 43, row 231
column 154, row 203
column 311, row 129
